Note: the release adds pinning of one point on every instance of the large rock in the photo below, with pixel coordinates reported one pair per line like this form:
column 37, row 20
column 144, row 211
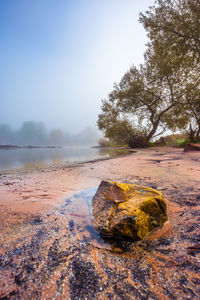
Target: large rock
column 130, row 211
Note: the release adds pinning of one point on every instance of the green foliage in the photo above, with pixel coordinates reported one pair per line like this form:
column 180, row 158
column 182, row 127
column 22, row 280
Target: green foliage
column 182, row 143
column 117, row 127
column 164, row 93
column 104, row 143
column 177, row 140
column 174, row 26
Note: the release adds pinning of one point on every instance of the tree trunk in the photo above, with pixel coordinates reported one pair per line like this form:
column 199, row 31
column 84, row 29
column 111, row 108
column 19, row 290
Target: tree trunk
column 197, row 136
column 153, row 131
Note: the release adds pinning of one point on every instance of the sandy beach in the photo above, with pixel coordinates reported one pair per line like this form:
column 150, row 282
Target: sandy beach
column 49, row 249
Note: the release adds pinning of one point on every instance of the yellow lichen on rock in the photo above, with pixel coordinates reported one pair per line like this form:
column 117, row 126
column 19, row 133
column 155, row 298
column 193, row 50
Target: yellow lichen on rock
column 127, row 210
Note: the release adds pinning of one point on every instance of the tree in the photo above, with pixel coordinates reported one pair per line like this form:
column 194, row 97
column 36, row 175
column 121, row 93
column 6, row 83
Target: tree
column 6, row 134
column 193, row 112
column 164, row 92
column 87, row 136
column 146, row 99
column 177, row 24
column 32, row 133
column 56, row 137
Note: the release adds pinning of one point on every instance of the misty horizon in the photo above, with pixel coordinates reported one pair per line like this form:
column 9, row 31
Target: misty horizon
column 59, row 59
column 37, row 134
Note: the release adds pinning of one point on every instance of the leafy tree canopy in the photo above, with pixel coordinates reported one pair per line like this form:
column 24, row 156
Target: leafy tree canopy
column 164, row 92
column 177, row 24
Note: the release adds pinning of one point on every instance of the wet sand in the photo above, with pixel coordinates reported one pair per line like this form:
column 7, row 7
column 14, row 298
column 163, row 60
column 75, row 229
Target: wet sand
column 49, row 249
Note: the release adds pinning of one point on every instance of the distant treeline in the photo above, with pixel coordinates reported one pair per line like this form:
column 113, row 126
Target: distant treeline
column 36, row 133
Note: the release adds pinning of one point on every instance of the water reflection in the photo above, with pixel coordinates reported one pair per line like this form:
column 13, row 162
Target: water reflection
column 78, row 210
column 44, row 157
column 113, row 152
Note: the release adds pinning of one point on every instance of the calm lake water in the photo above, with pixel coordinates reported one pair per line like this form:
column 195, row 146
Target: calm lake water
column 44, row 157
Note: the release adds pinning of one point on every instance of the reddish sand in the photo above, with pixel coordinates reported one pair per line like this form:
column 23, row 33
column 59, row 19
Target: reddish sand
column 26, row 196
column 38, row 190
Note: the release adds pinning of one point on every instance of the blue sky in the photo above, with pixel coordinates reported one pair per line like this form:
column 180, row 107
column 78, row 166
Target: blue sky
column 59, row 58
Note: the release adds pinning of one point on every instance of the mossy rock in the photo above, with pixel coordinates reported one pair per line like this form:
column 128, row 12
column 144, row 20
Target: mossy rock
column 122, row 210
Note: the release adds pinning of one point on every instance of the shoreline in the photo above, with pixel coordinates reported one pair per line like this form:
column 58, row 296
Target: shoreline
column 67, row 165
column 32, row 223
column 50, row 185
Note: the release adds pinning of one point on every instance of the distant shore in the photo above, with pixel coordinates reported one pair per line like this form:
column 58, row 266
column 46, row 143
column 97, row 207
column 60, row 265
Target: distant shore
column 27, row 147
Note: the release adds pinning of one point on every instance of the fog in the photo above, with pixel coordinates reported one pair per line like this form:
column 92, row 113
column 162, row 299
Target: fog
column 33, row 133
column 59, row 59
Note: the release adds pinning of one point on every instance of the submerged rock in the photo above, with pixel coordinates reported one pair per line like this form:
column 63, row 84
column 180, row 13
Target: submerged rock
column 130, row 211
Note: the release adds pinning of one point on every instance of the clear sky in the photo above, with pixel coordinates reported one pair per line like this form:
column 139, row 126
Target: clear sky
column 59, row 58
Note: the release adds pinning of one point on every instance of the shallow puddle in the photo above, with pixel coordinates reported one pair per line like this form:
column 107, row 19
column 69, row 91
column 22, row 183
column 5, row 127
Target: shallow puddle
column 78, row 211
column 62, row 256
column 80, row 204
